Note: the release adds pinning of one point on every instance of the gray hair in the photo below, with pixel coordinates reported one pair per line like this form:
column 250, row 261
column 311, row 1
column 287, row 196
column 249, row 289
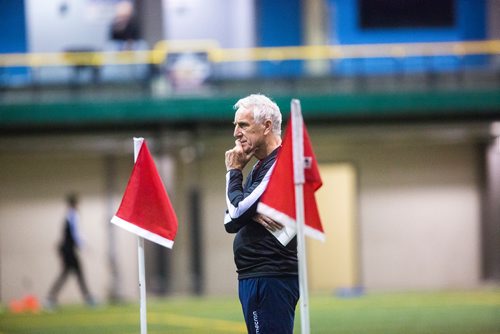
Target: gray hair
column 263, row 109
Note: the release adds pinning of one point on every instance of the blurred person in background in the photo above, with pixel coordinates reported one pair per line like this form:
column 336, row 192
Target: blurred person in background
column 125, row 26
column 70, row 261
column 267, row 270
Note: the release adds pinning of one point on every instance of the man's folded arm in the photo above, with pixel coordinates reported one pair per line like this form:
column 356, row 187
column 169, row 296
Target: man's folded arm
column 241, row 206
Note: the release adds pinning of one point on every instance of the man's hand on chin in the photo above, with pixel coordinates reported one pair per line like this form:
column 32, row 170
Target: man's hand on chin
column 236, row 158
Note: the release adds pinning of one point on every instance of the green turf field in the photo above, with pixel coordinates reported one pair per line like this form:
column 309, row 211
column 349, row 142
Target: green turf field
column 472, row 312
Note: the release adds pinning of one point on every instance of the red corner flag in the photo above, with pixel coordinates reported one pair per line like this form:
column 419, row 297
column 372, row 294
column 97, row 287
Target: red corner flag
column 145, row 208
column 278, row 200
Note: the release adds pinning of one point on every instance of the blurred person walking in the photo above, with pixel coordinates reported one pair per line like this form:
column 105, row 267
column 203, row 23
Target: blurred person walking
column 70, row 261
column 267, row 270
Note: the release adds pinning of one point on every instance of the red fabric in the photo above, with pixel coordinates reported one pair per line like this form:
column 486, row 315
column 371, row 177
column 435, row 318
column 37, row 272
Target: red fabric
column 280, row 192
column 145, row 202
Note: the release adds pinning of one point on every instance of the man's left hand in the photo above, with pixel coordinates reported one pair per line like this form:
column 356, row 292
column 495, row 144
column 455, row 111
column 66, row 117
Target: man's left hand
column 267, row 222
column 236, row 158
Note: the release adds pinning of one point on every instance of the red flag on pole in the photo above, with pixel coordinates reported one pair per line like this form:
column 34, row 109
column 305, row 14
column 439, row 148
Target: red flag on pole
column 278, row 200
column 145, row 209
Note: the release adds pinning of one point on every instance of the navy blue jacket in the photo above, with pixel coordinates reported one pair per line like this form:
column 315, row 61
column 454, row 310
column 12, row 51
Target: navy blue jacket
column 257, row 252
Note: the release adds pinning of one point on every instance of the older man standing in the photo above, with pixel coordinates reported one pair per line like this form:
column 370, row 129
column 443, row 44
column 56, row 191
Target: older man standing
column 267, row 270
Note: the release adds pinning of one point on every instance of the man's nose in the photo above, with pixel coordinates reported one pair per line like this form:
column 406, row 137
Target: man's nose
column 237, row 132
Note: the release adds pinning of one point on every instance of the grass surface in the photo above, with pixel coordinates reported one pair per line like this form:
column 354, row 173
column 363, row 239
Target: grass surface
column 473, row 312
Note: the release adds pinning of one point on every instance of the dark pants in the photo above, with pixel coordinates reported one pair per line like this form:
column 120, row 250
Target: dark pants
column 70, row 263
column 269, row 303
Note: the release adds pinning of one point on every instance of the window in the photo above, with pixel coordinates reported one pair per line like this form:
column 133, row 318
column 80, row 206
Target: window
column 406, row 13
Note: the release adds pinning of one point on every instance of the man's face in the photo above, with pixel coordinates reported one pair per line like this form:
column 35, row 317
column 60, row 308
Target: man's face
column 249, row 133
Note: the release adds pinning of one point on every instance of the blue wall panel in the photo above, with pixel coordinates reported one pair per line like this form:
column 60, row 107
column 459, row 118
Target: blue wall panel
column 470, row 24
column 279, row 23
column 13, row 37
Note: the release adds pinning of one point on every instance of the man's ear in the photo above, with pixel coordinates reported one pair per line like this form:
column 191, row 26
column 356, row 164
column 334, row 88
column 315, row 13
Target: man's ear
column 268, row 126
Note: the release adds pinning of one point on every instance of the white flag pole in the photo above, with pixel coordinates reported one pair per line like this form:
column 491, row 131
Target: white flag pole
column 140, row 257
column 299, row 179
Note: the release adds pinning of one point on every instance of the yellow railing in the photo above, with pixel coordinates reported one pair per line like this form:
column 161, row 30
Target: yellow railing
column 216, row 54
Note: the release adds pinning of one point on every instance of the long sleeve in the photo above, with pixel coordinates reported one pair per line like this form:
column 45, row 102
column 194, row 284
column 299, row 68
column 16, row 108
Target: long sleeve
column 242, row 201
column 73, row 221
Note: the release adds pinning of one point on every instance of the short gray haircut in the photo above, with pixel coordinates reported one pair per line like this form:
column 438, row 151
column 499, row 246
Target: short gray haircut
column 263, row 109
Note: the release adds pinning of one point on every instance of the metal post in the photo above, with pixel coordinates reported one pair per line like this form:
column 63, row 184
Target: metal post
column 299, row 179
column 140, row 257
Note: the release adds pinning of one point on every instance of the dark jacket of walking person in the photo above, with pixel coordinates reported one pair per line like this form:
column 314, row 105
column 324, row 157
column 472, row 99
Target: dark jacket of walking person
column 68, row 253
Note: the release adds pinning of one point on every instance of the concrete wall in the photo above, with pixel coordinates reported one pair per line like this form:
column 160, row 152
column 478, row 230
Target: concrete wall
column 491, row 223
column 220, row 270
column 493, row 17
column 35, row 182
column 419, row 208
column 419, row 211
column 54, row 26
column 32, row 207
column 229, row 22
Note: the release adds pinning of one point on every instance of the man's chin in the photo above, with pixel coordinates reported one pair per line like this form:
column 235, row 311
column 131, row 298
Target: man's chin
column 245, row 147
